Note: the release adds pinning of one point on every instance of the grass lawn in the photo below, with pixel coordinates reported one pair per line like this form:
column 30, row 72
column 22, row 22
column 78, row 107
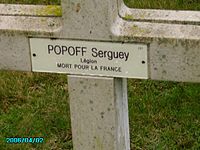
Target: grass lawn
column 163, row 115
column 31, row 1
column 165, row 4
column 34, row 105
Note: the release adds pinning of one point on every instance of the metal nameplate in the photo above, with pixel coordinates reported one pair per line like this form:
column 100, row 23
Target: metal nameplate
column 127, row 60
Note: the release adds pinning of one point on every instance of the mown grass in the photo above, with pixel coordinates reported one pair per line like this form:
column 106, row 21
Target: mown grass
column 34, row 105
column 163, row 115
column 165, row 4
column 30, row 1
column 158, row 4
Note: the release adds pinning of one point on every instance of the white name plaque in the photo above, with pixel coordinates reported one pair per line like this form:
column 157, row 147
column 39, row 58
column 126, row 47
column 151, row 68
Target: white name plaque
column 127, row 60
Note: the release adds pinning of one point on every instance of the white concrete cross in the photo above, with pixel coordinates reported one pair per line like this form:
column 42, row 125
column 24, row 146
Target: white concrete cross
column 121, row 42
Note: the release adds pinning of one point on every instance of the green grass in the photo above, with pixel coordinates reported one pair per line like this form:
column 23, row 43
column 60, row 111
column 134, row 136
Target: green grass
column 30, row 1
column 158, row 4
column 163, row 115
column 34, row 105
column 165, row 4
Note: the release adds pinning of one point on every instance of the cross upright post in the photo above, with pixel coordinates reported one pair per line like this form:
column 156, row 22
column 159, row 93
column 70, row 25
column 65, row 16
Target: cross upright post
column 98, row 105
